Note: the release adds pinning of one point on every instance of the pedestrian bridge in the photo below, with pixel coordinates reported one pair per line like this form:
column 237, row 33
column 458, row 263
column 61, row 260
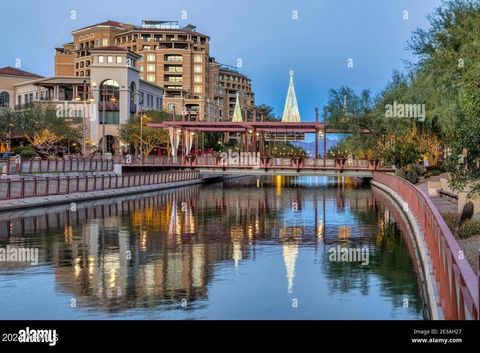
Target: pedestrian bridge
column 259, row 165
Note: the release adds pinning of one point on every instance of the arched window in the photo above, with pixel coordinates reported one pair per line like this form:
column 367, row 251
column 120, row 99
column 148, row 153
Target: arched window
column 109, row 89
column 4, row 99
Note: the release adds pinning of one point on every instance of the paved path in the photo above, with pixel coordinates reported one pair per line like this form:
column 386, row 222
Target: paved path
column 444, row 204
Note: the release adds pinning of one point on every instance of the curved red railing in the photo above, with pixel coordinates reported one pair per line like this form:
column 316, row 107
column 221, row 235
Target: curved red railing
column 457, row 284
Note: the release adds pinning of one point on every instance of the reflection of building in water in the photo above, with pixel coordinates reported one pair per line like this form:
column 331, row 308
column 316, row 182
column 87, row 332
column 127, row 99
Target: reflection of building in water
column 236, row 233
column 344, row 232
column 163, row 248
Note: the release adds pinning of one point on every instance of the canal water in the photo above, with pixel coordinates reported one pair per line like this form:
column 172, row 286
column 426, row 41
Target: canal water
column 247, row 248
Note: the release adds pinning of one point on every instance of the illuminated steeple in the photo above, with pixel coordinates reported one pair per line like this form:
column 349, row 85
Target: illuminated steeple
column 237, row 113
column 290, row 112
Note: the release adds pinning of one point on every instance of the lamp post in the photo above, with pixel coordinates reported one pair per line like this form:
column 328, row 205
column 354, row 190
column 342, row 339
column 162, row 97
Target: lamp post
column 86, row 98
column 104, row 94
column 141, row 130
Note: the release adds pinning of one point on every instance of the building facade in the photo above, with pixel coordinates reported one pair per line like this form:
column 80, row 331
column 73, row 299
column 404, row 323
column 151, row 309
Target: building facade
column 99, row 103
column 175, row 58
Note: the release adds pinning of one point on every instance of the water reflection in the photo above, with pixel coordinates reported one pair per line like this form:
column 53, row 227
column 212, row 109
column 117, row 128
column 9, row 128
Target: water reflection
column 148, row 256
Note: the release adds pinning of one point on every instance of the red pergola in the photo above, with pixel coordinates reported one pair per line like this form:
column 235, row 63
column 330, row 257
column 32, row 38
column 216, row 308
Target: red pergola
column 255, row 129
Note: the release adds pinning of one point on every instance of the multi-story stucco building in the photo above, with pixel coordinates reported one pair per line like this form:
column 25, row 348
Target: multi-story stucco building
column 99, row 102
column 175, row 58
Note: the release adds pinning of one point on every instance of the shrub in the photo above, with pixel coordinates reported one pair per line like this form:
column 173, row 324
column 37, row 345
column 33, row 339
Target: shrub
column 24, row 151
column 439, row 168
column 400, row 173
column 452, row 220
column 411, row 176
column 417, row 168
column 468, row 228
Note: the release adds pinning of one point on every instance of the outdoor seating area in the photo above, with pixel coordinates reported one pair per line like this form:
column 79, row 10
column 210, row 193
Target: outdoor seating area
column 441, row 188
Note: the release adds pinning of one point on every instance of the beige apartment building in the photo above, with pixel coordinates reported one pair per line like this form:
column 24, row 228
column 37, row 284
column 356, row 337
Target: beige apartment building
column 178, row 59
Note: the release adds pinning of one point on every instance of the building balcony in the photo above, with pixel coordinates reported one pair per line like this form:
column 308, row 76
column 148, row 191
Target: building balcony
column 109, row 106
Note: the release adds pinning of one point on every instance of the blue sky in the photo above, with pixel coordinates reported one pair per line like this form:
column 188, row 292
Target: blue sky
column 315, row 38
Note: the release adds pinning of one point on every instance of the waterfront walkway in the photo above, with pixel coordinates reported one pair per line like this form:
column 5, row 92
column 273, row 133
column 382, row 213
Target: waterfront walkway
column 39, row 191
column 470, row 246
column 443, row 204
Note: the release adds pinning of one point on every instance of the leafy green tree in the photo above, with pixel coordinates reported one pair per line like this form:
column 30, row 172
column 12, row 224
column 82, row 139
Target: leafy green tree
column 141, row 136
column 48, row 133
column 402, row 153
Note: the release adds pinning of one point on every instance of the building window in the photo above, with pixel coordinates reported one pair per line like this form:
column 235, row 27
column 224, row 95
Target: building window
column 151, row 78
column 111, row 117
column 110, row 59
column 197, row 89
column 171, row 107
column 175, row 58
column 198, row 78
column 119, row 59
column 151, row 57
column 151, row 67
column 100, row 59
column 4, row 99
column 142, row 97
column 197, row 58
column 198, row 68
column 141, row 68
column 109, row 89
column 105, row 42
column 175, row 79
column 158, row 102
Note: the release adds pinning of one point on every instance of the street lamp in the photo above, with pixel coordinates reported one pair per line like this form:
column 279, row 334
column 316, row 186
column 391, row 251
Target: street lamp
column 142, row 115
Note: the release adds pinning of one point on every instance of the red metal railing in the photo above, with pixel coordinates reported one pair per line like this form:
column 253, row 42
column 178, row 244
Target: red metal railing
column 33, row 187
column 57, row 165
column 457, row 283
column 99, row 164
column 250, row 161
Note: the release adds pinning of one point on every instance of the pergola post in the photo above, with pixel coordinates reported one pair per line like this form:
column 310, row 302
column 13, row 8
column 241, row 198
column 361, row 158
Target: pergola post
column 316, row 133
column 324, row 138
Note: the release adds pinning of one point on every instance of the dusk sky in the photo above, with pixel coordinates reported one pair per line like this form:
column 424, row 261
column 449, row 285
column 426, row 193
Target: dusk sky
column 314, row 38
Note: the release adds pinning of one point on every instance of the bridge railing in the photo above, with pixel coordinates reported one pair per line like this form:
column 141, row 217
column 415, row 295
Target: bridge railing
column 457, row 284
column 57, row 165
column 33, row 187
